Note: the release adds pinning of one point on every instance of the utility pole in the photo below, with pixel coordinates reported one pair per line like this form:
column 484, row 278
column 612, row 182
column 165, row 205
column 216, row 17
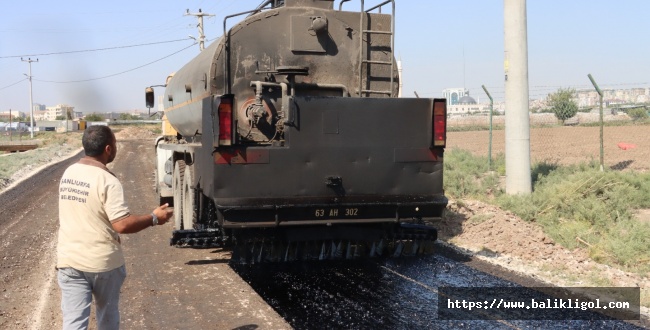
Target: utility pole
column 31, row 99
column 199, row 15
column 518, row 175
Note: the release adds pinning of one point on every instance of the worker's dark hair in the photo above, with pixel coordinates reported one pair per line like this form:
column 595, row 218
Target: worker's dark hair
column 95, row 139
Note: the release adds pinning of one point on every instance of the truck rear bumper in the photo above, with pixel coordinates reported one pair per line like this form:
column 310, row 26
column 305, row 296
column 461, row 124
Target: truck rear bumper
column 388, row 210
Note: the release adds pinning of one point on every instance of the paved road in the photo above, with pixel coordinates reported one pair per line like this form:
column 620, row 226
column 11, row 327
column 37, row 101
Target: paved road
column 400, row 294
column 169, row 288
column 166, row 288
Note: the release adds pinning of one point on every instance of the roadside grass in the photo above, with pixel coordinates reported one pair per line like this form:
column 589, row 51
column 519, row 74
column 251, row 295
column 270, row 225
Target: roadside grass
column 577, row 206
column 640, row 122
column 52, row 146
column 476, row 127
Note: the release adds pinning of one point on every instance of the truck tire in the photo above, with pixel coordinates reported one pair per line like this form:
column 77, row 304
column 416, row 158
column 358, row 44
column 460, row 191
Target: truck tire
column 177, row 187
column 190, row 212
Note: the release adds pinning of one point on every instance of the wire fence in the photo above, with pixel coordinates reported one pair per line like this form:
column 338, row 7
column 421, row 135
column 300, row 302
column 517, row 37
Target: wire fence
column 14, row 135
column 626, row 144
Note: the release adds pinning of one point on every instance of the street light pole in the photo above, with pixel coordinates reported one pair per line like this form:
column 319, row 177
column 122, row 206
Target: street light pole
column 31, row 100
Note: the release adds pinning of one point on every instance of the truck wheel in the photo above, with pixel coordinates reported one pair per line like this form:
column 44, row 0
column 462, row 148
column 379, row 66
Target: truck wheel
column 177, row 188
column 189, row 199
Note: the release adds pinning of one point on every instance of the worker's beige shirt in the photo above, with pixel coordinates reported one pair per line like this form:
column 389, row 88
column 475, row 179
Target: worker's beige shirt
column 90, row 197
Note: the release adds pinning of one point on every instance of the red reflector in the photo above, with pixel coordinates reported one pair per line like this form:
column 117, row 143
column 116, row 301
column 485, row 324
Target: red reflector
column 439, row 123
column 225, row 121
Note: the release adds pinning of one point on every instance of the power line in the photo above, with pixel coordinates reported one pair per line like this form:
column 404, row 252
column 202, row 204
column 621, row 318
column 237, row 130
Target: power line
column 16, row 83
column 94, row 50
column 116, row 74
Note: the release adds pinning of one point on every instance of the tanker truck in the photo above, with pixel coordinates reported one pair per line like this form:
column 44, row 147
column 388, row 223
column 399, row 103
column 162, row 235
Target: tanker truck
column 285, row 140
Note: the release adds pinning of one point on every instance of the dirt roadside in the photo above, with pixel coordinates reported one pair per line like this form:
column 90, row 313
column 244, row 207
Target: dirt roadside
column 195, row 288
column 624, row 147
column 502, row 238
column 187, row 289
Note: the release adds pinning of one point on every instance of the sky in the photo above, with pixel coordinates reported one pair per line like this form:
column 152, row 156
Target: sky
column 98, row 56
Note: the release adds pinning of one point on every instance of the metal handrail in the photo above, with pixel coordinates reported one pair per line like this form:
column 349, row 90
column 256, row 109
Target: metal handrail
column 226, row 45
column 392, row 42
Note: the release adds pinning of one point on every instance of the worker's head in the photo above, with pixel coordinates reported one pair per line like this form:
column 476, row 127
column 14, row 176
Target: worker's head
column 99, row 142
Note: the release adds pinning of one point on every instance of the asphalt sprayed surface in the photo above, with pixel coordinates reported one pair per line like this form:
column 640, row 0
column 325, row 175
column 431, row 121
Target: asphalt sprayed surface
column 384, row 294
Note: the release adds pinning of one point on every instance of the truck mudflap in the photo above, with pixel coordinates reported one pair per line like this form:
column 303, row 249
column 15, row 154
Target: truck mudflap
column 206, row 238
column 286, row 244
column 337, row 243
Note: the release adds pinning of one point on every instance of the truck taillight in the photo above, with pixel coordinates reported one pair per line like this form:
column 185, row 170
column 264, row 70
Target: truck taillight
column 439, row 138
column 225, row 120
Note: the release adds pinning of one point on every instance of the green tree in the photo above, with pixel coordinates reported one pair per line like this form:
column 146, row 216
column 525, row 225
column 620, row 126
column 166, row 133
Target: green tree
column 59, row 118
column 638, row 113
column 95, row 117
column 128, row 116
column 562, row 104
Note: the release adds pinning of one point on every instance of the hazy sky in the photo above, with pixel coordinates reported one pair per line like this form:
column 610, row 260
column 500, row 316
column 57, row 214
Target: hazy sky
column 442, row 44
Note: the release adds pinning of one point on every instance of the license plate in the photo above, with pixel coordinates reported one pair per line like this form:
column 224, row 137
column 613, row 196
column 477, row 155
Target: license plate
column 337, row 213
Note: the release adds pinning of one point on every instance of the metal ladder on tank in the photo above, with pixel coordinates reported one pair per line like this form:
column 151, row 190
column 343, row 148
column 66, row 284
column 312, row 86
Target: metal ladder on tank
column 363, row 61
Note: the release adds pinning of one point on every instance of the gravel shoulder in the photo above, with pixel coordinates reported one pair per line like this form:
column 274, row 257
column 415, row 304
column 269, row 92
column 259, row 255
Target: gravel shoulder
column 165, row 289
column 191, row 288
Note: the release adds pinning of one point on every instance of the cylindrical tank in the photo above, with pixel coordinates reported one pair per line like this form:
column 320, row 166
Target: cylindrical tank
column 304, row 43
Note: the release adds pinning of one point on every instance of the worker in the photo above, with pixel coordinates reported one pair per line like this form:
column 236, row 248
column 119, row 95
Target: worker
column 92, row 214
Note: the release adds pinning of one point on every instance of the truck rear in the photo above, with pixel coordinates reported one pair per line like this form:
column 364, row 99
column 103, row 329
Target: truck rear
column 292, row 144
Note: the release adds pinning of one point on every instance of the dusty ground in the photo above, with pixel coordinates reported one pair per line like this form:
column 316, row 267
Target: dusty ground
column 501, row 237
column 135, row 132
column 187, row 289
column 624, row 147
column 485, row 231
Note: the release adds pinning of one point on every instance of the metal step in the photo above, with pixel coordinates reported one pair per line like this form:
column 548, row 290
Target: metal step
column 378, row 32
column 366, row 31
column 378, row 62
column 376, row 92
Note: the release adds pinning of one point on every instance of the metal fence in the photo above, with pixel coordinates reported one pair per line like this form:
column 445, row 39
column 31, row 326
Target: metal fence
column 626, row 143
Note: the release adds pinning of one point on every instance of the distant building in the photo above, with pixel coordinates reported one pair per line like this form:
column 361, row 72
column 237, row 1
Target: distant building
column 40, row 115
column 590, row 98
column 453, row 95
column 14, row 126
column 466, row 105
column 60, row 110
column 4, row 116
column 38, row 107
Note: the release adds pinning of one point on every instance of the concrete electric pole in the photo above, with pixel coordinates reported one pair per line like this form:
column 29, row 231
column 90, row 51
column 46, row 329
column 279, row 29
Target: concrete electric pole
column 31, row 99
column 518, row 176
column 199, row 15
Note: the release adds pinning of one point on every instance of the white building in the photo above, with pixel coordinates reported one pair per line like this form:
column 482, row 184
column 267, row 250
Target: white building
column 453, row 95
column 60, row 110
column 466, row 105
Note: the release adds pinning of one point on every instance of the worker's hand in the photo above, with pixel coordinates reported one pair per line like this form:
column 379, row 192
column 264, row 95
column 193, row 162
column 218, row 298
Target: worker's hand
column 164, row 213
